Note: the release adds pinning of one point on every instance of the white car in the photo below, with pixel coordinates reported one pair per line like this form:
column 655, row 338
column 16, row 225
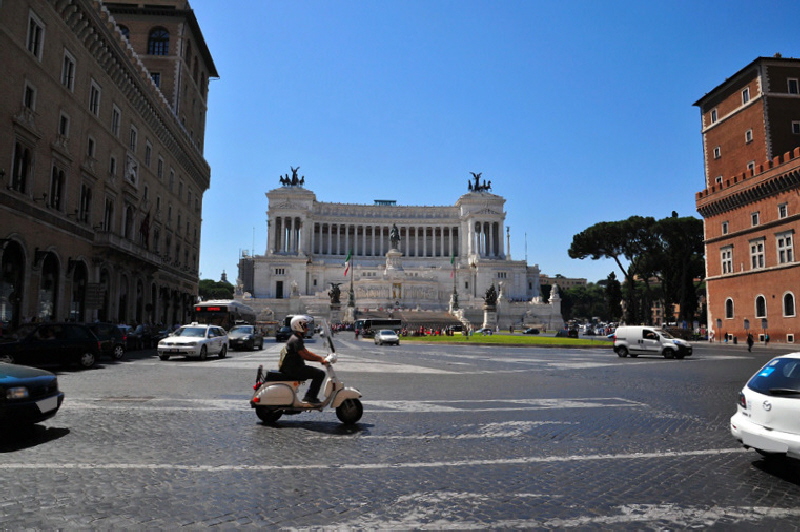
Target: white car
column 767, row 417
column 386, row 337
column 196, row 340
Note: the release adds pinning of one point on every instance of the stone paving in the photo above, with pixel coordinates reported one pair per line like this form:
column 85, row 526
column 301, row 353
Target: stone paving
column 451, row 438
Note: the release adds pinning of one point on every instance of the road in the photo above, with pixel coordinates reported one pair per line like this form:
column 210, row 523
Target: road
column 452, row 437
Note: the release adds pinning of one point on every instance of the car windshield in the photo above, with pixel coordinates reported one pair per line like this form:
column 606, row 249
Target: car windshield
column 193, row 332
column 246, row 329
column 781, row 376
column 665, row 334
column 386, row 333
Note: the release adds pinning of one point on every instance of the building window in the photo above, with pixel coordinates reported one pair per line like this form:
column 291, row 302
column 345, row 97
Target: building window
column 725, row 226
column 729, row 308
column 133, row 139
column 160, row 168
column 171, row 180
column 156, row 77
column 718, row 180
column 112, row 165
column 94, row 99
column 21, row 168
column 783, row 210
column 63, row 125
column 68, row 71
column 35, row 35
column 713, row 116
column 158, row 42
column 745, row 95
column 755, row 218
column 148, row 153
column 748, row 136
column 717, row 152
column 796, row 127
column 757, row 254
column 785, row 245
column 751, row 167
column 86, row 203
column 279, row 271
column 792, row 86
column 108, row 215
column 180, row 189
column 727, row 260
column 788, row 305
column 761, row 307
column 90, row 147
column 57, row 182
column 29, row 97
column 116, row 116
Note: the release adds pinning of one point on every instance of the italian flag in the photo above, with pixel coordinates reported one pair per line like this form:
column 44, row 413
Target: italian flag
column 347, row 263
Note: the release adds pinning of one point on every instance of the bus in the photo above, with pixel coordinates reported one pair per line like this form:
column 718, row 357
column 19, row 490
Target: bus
column 367, row 327
column 223, row 312
column 287, row 322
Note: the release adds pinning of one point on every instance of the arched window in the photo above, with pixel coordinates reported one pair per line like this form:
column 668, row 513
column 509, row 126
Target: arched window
column 125, row 31
column 21, row 168
column 788, row 305
column 729, row 308
column 158, row 42
column 761, row 307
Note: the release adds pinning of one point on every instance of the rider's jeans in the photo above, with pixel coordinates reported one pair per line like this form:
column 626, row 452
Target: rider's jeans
column 307, row 372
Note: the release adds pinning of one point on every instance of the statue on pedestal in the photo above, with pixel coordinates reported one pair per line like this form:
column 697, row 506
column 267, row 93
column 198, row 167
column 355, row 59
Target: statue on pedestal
column 394, row 236
column 335, row 293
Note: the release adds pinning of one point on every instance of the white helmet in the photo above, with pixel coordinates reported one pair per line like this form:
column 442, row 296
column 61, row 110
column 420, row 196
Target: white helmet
column 300, row 323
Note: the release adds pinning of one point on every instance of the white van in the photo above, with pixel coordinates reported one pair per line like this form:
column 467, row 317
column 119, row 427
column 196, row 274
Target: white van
column 635, row 340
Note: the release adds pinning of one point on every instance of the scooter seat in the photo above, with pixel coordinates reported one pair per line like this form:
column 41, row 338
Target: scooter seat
column 276, row 376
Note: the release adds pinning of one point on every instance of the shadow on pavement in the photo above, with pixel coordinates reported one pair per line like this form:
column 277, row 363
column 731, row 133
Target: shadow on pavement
column 26, row 436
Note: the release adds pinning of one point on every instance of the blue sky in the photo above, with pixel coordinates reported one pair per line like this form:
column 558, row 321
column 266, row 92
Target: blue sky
column 577, row 111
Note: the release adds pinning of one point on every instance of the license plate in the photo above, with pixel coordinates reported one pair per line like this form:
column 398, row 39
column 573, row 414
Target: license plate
column 47, row 405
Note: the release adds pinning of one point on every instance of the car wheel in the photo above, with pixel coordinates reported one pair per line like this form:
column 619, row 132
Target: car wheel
column 223, row 352
column 261, row 345
column 350, row 411
column 163, row 357
column 203, row 353
column 266, row 415
column 87, row 360
column 7, row 358
column 118, row 352
column 622, row 351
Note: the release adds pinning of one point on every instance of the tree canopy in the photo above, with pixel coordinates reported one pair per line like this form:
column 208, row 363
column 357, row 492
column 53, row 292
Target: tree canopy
column 211, row 289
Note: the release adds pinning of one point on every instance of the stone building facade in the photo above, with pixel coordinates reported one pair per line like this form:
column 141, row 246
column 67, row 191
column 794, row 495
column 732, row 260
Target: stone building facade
column 750, row 206
column 403, row 258
column 101, row 159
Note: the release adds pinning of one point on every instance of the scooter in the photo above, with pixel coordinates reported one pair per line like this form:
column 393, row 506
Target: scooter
column 276, row 395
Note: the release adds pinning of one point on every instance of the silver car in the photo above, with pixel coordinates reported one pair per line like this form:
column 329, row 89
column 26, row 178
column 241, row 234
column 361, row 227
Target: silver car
column 196, row 340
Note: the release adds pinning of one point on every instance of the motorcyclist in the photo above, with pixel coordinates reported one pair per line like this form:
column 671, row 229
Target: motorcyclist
column 293, row 362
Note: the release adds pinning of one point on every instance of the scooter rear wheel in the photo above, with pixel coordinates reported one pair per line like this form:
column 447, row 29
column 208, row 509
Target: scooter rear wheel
column 350, row 411
column 266, row 415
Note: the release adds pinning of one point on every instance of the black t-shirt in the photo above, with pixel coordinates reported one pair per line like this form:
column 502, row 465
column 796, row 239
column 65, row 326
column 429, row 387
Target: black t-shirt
column 293, row 359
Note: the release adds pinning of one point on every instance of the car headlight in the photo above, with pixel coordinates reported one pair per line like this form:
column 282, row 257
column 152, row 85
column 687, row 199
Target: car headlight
column 17, row 392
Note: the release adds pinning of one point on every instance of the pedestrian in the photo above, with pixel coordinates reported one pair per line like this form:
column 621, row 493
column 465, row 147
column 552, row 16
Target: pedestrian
column 766, row 340
column 749, row 342
column 356, row 334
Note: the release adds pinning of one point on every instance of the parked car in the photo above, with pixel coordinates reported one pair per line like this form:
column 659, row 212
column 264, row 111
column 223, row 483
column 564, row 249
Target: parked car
column 27, row 395
column 196, row 340
column 635, row 340
column 245, row 337
column 531, row 331
column 768, row 409
column 126, row 331
column 283, row 334
column 50, row 343
column 485, row 330
column 112, row 343
column 386, row 337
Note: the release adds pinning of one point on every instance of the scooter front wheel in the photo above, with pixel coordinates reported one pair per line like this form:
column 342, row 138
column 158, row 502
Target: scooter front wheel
column 266, row 415
column 350, row 411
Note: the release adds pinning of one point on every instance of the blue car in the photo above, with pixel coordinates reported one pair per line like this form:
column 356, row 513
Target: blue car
column 27, row 395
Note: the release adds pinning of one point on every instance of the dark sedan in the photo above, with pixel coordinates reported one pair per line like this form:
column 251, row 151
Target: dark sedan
column 27, row 395
column 112, row 343
column 245, row 337
column 283, row 334
column 50, row 343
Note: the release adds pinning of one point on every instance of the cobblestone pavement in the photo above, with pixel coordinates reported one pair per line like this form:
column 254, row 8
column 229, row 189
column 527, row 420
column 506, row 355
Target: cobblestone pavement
column 452, row 438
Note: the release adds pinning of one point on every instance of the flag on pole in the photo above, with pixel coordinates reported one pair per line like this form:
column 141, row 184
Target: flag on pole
column 347, row 263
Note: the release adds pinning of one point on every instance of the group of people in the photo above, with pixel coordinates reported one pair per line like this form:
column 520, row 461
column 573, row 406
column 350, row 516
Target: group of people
column 750, row 340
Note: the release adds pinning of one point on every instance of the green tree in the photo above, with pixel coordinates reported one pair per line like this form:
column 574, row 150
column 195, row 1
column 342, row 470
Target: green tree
column 211, row 289
column 628, row 239
column 613, row 297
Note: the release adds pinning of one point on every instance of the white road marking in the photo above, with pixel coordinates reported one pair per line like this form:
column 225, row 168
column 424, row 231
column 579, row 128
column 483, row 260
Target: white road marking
column 200, row 468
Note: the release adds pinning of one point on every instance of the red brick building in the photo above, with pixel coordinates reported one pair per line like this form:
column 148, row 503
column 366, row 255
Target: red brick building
column 751, row 203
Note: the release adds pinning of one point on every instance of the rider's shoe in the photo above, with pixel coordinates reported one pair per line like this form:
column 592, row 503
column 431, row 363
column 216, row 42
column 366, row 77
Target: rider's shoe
column 310, row 399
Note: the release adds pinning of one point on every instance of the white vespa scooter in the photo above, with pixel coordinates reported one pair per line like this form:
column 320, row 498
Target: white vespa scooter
column 276, row 395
